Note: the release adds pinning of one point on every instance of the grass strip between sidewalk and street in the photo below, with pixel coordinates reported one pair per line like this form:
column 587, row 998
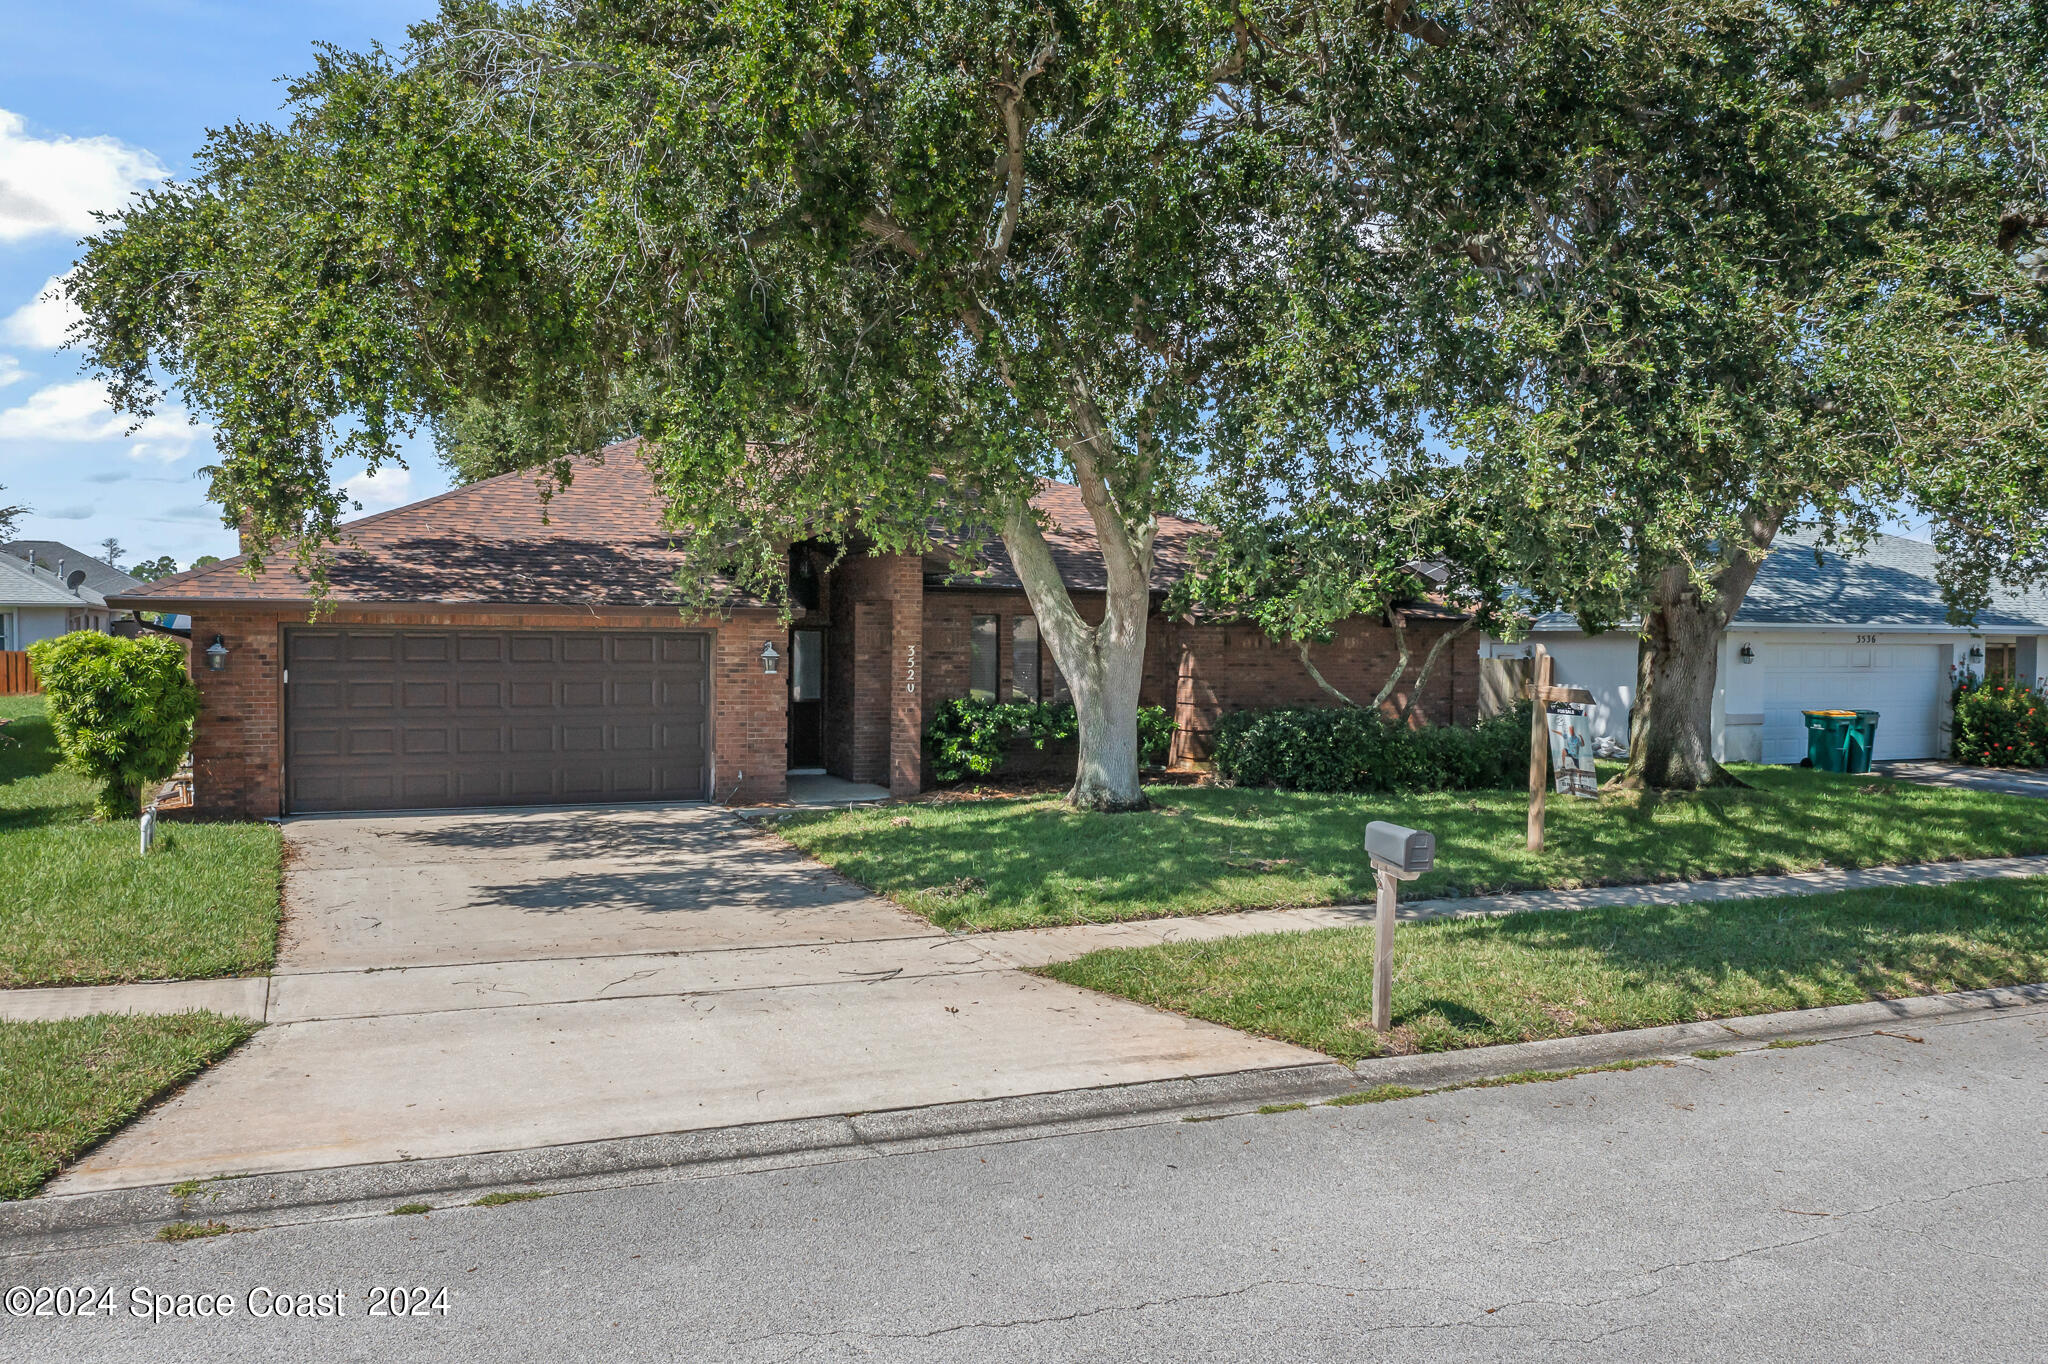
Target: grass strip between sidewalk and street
column 1022, row 863
column 80, row 904
column 66, row 1084
column 1530, row 976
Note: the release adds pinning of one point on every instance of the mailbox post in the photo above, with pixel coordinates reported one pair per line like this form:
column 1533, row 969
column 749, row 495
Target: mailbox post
column 1398, row 854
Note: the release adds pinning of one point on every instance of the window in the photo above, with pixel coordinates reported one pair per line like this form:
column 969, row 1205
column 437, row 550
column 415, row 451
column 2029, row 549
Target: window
column 1024, row 658
column 983, row 661
column 6, row 630
column 807, row 665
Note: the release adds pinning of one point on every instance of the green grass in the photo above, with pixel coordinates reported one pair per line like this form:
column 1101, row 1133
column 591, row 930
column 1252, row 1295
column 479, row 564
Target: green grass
column 1021, row 863
column 501, row 1197
column 1523, row 977
column 191, row 1231
column 411, row 1209
column 80, row 906
column 65, row 1084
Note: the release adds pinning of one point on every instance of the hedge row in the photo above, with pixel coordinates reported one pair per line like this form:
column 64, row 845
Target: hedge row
column 1360, row 750
column 970, row 738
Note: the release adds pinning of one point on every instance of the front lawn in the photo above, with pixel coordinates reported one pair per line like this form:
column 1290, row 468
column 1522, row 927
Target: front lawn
column 80, row 906
column 67, row 1084
column 1021, row 863
column 1523, row 977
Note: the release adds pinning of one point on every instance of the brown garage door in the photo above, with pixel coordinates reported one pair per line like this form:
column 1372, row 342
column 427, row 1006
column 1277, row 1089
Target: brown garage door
column 381, row 719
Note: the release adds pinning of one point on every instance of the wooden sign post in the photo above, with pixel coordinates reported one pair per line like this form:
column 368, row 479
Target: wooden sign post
column 1543, row 691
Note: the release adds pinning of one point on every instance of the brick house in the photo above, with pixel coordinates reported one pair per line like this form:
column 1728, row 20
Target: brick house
column 484, row 648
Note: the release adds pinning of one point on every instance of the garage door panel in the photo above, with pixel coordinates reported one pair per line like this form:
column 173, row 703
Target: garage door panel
column 424, row 695
column 419, row 742
column 305, row 648
column 393, row 719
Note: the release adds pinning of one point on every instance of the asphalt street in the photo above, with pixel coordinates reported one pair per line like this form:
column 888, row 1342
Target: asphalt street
column 1882, row 1194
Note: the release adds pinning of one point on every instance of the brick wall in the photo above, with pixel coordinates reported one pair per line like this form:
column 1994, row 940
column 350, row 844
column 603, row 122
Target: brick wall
column 875, row 717
column 749, row 712
column 1204, row 671
column 238, row 741
column 1223, row 668
column 238, row 745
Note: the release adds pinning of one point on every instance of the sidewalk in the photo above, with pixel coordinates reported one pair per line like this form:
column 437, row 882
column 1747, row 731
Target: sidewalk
column 311, row 996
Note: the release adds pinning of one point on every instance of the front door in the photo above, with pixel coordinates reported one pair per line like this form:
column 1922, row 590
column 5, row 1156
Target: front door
column 806, row 700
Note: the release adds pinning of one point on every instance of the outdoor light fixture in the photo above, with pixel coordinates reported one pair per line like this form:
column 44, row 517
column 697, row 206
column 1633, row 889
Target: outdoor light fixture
column 216, row 655
column 769, row 657
column 1748, row 654
column 1976, row 651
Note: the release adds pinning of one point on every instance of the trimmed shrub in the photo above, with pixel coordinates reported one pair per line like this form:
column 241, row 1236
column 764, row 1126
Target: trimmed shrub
column 972, row 738
column 1999, row 724
column 1325, row 749
column 121, row 710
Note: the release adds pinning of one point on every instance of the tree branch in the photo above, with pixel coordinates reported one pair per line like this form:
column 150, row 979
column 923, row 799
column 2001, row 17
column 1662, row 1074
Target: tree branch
column 1429, row 661
column 1401, row 19
column 1400, row 626
column 1301, row 646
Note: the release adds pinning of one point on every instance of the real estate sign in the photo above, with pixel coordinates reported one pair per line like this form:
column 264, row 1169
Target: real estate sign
column 1571, row 749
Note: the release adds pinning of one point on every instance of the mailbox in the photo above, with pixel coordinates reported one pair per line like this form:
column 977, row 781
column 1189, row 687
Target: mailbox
column 1404, row 850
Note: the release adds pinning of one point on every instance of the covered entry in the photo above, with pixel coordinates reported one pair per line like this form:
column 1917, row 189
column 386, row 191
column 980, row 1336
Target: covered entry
column 401, row 718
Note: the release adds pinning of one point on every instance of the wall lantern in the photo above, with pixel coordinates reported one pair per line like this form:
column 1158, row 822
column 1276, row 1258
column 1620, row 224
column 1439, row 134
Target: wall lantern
column 216, row 655
column 1976, row 651
column 1748, row 654
column 769, row 658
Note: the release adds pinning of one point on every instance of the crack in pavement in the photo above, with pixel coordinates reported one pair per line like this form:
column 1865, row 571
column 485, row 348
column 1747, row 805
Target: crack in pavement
column 818, row 1337
column 1484, row 1319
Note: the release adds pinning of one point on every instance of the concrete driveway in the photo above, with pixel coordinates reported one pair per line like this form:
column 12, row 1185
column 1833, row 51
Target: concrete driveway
column 459, row 983
column 2013, row 781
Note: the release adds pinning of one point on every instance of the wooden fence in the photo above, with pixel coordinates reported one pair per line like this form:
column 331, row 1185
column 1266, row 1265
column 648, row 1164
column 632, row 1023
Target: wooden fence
column 16, row 678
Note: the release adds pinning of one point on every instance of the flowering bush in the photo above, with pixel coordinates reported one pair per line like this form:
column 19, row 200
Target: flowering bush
column 1999, row 723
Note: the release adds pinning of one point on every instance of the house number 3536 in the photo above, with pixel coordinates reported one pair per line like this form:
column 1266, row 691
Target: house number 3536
column 910, row 669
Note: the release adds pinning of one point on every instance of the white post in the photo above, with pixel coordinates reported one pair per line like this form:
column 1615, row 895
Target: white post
column 148, row 823
column 1383, row 954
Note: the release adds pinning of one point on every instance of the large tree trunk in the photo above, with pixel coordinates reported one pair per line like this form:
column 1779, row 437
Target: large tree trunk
column 1104, row 664
column 1671, row 720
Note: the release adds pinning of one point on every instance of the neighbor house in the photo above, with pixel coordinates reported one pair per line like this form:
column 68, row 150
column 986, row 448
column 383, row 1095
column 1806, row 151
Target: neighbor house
column 477, row 648
column 49, row 589
column 1821, row 630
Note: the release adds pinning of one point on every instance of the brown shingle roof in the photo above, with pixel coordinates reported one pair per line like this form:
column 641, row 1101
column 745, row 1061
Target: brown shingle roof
column 1074, row 549
column 604, row 543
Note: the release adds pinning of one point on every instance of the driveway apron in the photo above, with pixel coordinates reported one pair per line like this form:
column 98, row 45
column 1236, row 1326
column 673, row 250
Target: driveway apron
column 465, row 982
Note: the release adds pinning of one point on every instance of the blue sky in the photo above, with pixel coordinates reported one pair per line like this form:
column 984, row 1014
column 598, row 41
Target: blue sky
column 96, row 100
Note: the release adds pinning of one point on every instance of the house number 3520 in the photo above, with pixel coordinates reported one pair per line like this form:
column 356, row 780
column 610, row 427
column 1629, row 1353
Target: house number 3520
column 910, row 669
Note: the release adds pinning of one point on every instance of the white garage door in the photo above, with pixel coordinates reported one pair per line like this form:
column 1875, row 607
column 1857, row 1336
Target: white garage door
column 1902, row 681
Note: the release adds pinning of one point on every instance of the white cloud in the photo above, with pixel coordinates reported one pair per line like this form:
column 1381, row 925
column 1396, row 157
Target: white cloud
column 389, row 487
column 52, row 185
column 78, row 411
column 81, row 512
column 10, row 370
column 43, row 320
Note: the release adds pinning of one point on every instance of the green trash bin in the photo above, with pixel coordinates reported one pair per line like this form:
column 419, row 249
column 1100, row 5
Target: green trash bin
column 1827, row 739
column 1864, row 742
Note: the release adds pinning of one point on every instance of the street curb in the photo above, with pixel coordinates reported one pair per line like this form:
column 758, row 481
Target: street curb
column 69, row 1221
column 72, row 1221
column 1679, row 1039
